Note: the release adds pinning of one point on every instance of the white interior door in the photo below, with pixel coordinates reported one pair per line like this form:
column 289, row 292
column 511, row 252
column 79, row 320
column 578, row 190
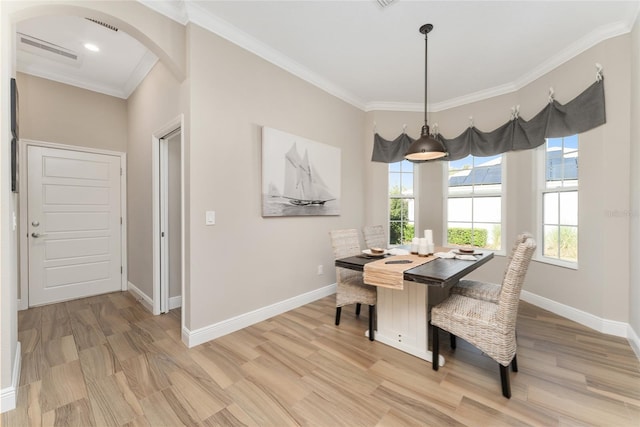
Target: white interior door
column 74, row 220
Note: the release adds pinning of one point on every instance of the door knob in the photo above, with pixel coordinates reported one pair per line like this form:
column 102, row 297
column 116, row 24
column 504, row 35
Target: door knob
column 35, row 223
column 36, row 235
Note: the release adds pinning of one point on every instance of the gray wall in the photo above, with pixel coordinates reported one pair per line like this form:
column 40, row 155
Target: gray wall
column 175, row 216
column 9, row 203
column 246, row 262
column 156, row 102
column 56, row 112
column 634, row 283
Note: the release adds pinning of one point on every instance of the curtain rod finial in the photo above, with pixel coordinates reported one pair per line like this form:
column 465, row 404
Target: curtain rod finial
column 598, row 71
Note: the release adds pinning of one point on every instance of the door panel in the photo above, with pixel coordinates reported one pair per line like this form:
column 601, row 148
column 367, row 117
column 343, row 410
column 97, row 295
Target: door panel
column 74, row 224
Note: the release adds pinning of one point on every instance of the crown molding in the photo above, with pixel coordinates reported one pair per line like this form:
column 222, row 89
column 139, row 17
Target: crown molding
column 224, row 29
column 394, row 106
column 175, row 10
column 183, row 11
column 592, row 39
column 65, row 79
column 143, row 68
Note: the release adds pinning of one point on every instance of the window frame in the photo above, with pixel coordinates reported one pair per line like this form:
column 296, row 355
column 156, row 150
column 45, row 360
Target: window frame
column 541, row 181
column 414, row 197
column 503, row 202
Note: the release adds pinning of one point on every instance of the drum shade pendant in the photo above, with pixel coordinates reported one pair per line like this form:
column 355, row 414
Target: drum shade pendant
column 426, row 147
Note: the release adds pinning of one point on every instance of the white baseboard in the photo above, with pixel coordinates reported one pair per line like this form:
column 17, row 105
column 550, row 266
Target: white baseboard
column 144, row 299
column 175, row 302
column 634, row 340
column 610, row 327
column 147, row 302
column 9, row 395
column 216, row 330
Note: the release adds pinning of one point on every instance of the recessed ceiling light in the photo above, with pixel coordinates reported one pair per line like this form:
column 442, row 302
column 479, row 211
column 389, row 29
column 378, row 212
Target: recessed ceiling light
column 91, row 47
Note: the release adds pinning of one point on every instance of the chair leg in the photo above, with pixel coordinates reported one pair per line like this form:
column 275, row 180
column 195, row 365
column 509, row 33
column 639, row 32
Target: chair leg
column 338, row 311
column 435, row 353
column 514, row 364
column 358, row 305
column 504, row 378
column 372, row 312
column 452, row 340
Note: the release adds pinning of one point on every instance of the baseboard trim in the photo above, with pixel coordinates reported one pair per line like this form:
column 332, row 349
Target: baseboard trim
column 140, row 296
column 9, row 395
column 634, row 340
column 216, row 330
column 610, row 327
column 175, row 302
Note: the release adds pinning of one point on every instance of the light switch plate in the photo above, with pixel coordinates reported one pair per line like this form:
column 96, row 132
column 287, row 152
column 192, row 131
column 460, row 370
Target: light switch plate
column 210, row 218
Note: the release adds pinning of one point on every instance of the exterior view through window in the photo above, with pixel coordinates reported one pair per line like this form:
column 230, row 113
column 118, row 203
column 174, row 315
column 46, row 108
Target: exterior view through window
column 560, row 199
column 474, row 202
column 401, row 203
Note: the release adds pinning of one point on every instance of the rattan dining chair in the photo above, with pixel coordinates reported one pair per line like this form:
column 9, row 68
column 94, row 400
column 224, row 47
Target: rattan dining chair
column 485, row 290
column 350, row 286
column 489, row 326
column 374, row 236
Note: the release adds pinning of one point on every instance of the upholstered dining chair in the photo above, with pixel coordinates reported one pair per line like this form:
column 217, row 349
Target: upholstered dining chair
column 350, row 286
column 489, row 326
column 374, row 236
column 485, row 290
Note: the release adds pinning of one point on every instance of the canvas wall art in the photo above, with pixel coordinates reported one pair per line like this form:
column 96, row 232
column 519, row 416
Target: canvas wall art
column 299, row 176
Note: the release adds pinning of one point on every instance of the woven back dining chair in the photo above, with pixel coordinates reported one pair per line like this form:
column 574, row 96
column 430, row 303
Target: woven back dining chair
column 489, row 326
column 374, row 236
column 485, row 290
column 350, row 287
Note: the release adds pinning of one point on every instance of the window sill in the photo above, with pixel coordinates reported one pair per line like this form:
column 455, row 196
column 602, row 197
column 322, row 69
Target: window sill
column 556, row 262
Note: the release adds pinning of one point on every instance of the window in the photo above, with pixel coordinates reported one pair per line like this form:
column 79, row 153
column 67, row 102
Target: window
column 401, row 203
column 559, row 196
column 474, row 202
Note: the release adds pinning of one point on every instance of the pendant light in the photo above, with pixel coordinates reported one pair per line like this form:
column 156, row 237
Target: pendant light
column 426, row 147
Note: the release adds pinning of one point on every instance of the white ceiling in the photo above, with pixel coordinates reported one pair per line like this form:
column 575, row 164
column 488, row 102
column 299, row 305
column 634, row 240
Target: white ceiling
column 117, row 69
column 370, row 56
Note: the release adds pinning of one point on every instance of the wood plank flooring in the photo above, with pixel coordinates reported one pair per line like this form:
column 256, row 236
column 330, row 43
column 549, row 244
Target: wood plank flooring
column 106, row 361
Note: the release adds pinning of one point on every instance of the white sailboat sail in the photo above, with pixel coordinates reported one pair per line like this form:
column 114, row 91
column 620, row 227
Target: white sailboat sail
column 302, row 186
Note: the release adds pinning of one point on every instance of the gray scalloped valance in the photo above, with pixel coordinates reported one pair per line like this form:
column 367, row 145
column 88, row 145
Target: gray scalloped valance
column 583, row 113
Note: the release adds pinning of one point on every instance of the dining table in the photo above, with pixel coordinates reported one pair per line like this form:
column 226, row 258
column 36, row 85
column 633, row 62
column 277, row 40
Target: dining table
column 402, row 313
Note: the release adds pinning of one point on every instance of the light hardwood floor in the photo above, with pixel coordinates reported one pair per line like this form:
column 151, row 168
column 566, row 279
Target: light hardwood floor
column 106, row 361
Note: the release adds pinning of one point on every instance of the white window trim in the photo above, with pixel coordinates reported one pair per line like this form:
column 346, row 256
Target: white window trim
column 503, row 203
column 540, row 191
column 416, row 204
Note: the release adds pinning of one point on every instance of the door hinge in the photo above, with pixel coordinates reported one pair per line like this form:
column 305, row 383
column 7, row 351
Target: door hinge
column 120, row 171
column 121, row 270
column 120, row 220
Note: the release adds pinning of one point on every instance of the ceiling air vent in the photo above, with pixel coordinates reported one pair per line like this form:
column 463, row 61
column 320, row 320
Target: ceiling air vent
column 46, row 49
column 385, row 3
column 104, row 24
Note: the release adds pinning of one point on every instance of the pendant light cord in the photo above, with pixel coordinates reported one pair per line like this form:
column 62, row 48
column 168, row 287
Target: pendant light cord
column 426, row 36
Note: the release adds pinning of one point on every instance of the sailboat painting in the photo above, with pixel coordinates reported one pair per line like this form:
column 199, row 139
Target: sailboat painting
column 299, row 176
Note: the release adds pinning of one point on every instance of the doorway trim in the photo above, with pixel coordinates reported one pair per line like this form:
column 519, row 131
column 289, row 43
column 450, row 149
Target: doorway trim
column 157, row 304
column 23, row 301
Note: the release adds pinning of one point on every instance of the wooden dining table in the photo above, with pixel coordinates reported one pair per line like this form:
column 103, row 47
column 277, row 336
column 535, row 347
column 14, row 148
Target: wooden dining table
column 402, row 315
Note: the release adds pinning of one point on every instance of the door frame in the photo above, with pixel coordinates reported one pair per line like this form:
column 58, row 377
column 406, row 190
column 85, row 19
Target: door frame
column 158, row 305
column 23, row 301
